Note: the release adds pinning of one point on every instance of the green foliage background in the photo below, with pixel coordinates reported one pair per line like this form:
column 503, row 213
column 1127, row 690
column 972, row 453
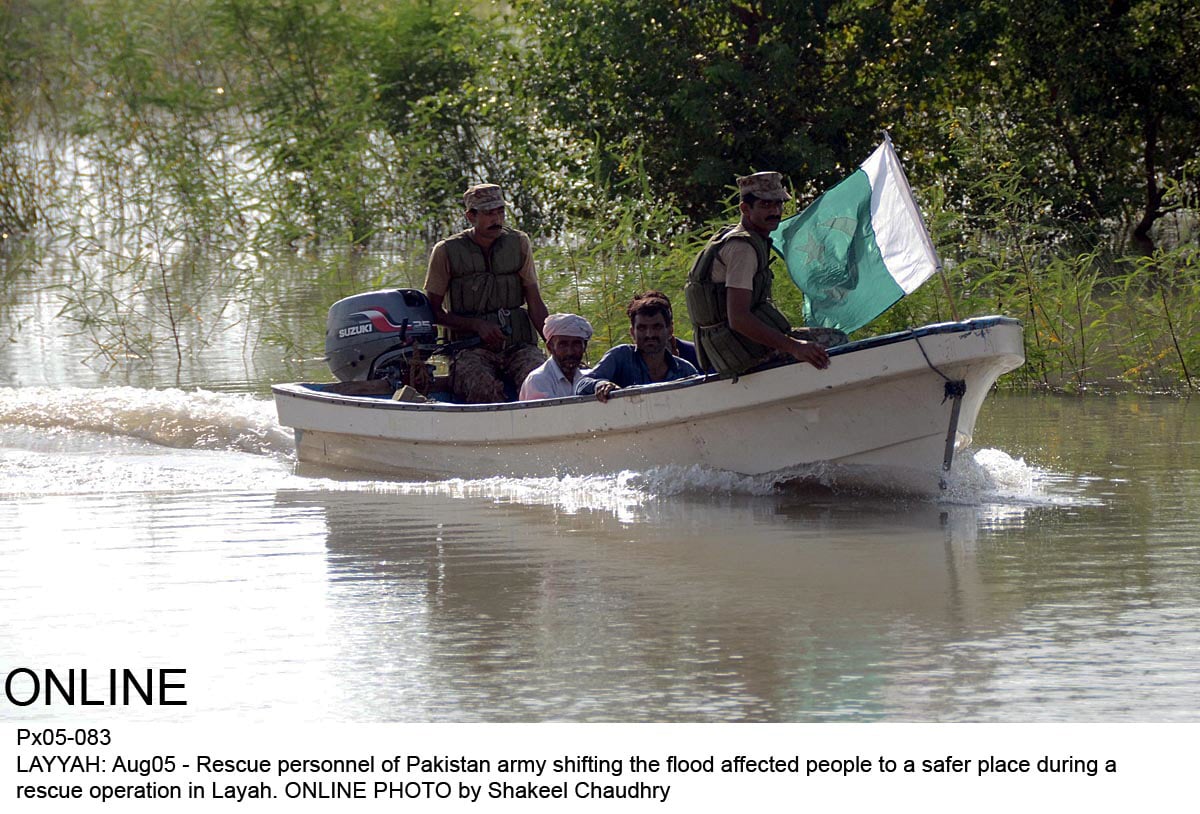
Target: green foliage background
column 1054, row 146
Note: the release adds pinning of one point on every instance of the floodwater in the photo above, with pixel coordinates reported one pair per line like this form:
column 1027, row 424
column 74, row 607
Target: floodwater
column 151, row 525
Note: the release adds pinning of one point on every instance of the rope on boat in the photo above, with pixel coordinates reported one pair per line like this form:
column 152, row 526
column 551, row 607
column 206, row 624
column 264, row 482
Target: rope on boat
column 952, row 389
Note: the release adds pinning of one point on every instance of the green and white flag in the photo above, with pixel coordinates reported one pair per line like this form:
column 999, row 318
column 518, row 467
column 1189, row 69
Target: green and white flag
column 860, row 247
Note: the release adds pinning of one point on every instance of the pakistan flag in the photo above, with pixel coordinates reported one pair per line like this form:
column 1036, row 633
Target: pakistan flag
column 860, row 247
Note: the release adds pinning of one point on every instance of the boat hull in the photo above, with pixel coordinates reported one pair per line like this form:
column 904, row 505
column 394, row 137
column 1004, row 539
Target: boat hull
column 878, row 413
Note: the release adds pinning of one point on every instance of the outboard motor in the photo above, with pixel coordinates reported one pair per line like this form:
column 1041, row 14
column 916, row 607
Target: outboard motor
column 380, row 335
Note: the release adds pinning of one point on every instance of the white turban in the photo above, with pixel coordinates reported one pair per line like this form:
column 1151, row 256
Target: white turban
column 567, row 325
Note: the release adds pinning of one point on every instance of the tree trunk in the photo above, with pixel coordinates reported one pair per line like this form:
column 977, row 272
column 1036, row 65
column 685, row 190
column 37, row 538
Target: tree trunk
column 1154, row 196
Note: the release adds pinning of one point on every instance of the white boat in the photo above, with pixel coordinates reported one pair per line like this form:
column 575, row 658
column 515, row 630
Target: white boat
column 886, row 412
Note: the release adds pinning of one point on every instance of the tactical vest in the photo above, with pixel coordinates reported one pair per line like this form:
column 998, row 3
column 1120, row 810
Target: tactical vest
column 718, row 345
column 487, row 285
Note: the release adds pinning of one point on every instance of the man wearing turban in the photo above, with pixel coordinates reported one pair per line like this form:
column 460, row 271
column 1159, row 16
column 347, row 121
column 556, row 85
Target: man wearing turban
column 567, row 336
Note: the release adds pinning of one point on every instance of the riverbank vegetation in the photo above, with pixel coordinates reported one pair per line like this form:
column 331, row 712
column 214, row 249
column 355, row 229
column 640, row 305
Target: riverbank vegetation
column 169, row 151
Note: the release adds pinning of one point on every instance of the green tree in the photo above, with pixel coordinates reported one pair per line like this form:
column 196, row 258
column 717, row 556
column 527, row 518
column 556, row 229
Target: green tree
column 711, row 89
column 454, row 104
column 1093, row 105
column 1110, row 91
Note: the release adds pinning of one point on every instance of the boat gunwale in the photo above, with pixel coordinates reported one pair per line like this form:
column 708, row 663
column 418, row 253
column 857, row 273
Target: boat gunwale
column 304, row 390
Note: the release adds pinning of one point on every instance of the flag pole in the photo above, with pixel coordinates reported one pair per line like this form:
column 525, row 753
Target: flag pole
column 925, row 228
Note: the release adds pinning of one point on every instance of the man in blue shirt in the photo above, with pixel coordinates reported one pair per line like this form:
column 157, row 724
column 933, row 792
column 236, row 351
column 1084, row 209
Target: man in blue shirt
column 686, row 350
column 648, row 360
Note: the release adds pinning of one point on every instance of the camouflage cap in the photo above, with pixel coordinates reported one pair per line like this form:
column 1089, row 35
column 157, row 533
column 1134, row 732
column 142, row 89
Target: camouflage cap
column 767, row 186
column 483, row 197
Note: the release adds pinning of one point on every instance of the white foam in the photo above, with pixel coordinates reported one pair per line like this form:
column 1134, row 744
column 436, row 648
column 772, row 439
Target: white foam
column 988, row 478
column 570, row 494
column 180, row 419
column 668, row 481
column 992, row 476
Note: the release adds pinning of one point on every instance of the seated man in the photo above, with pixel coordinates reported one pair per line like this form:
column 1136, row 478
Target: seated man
column 648, row 360
column 736, row 325
column 482, row 282
column 567, row 336
column 680, row 347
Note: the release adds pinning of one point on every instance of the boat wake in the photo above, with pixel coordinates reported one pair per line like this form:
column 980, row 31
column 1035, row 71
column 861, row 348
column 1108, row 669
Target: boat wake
column 127, row 439
column 988, row 478
column 991, row 476
column 179, row 419
column 74, row 440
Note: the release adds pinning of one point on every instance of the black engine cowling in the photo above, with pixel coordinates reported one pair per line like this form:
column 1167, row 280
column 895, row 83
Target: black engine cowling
column 375, row 335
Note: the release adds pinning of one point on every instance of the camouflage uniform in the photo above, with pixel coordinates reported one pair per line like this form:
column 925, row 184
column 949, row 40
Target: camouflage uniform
column 479, row 373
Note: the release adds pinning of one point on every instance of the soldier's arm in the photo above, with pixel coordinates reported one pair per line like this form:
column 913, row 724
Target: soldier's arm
column 437, row 280
column 537, row 307
column 529, row 285
column 489, row 332
column 737, row 311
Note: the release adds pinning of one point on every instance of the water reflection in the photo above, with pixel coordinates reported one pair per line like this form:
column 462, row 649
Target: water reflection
column 1039, row 595
column 739, row 609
